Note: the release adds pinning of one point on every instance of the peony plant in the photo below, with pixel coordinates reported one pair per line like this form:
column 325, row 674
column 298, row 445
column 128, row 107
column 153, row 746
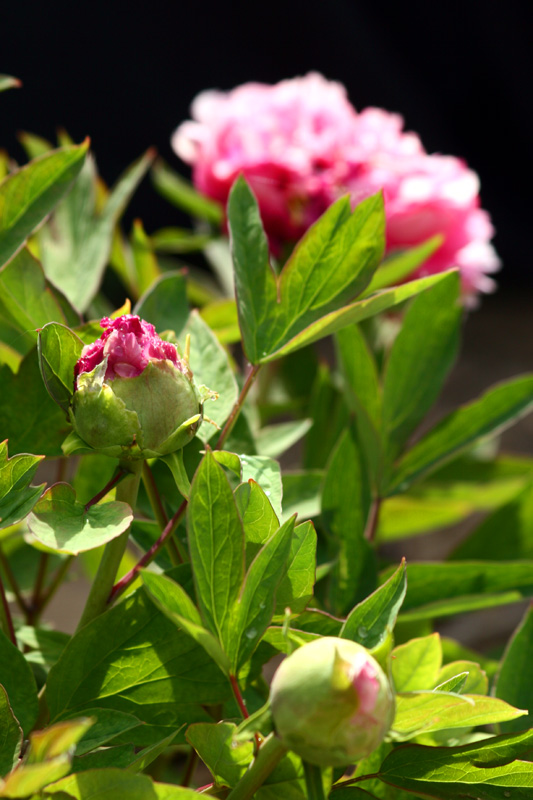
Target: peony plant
column 251, row 630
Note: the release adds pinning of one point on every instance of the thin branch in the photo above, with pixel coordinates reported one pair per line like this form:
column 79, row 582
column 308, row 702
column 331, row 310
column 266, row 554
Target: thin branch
column 121, row 473
column 13, row 583
column 235, row 411
column 373, row 520
column 238, row 696
column 351, row 781
column 150, row 554
column 159, row 512
column 190, row 768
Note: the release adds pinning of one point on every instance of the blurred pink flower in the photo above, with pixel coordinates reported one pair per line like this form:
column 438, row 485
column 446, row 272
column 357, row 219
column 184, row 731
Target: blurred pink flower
column 129, row 343
column 301, row 145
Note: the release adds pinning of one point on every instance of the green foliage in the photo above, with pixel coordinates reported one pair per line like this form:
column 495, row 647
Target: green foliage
column 19, row 684
column 513, row 683
column 17, row 497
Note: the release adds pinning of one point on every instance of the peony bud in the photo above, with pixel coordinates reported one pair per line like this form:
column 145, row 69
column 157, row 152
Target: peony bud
column 331, row 702
column 133, row 395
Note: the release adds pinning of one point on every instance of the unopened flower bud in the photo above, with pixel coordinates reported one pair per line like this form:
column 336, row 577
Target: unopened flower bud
column 133, row 395
column 331, row 702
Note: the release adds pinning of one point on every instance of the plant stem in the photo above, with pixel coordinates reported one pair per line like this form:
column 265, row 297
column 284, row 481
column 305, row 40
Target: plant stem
column 119, row 475
column 114, row 550
column 267, row 759
column 373, row 520
column 54, row 585
column 190, row 768
column 150, row 554
column 351, row 781
column 159, row 511
column 6, row 621
column 238, row 696
column 13, row 583
column 235, row 411
column 313, row 782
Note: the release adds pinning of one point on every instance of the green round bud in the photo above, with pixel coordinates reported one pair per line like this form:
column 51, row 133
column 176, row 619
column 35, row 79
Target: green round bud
column 331, row 702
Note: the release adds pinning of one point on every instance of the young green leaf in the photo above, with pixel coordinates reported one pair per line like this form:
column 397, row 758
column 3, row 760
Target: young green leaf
column 147, row 269
column 267, row 473
column 9, row 82
column 475, row 682
column 58, row 349
column 110, row 784
column 57, row 739
column 490, row 414
column 373, row 619
column 513, row 682
column 61, row 523
column 360, row 373
column 17, row 679
column 420, row 359
column 252, row 611
column 423, row 712
column 28, row 195
column 216, row 543
column 226, row 759
column 176, row 604
column 331, row 264
column 105, row 725
column 274, row 440
column 258, row 517
column 17, row 497
column 398, row 266
column 346, row 504
column 296, row 585
column 211, row 367
column 416, row 664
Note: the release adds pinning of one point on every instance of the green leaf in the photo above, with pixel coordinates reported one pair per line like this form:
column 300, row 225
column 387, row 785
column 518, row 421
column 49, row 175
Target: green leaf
column 372, row 620
column 133, row 659
column 226, row 759
column 58, row 349
column 476, row 681
column 17, row 497
column 354, row 312
column 33, row 145
column 30, row 778
column 106, row 725
column 346, row 504
column 43, row 646
column 211, row 367
column 296, row 586
column 274, row 440
column 267, row 473
column 11, row 737
column 27, row 300
column 360, row 373
column 57, row 739
column 110, row 784
column 330, row 414
column 38, row 425
column 9, row 82
column 495, row 410
column 178, row 240
column 221, row 316
column 165, row 303
column 76, row 249
column 479, row 771
column 423, row 712
column 252, row 611
column 332, row 263
column 176, row 604
column 399, row 266
column 455, row 684
column 180, row 193
column 216, row 544
column 416, row 664
column 17, row 679
column 258, row 517
column 439, row 590
column 513, row 683
column 420, row 359
column 487, row 542
column 30, row 193
column 149, row 754
column 61, row 523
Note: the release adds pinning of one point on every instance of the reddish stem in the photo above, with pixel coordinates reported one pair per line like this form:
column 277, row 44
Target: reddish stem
column 107, row 488
column 373, row 519
column 238, row 696
column 150, row 554
column 235, row 411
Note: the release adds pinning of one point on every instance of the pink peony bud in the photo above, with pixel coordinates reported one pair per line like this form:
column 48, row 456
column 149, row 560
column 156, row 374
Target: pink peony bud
column 331, row 702
column 134, row 396
column 301, row 145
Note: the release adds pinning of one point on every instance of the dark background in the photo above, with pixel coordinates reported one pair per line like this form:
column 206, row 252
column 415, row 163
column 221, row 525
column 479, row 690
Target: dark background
column 460, row 74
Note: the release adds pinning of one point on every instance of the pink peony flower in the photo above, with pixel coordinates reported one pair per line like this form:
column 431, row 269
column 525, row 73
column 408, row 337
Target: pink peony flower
column 129, row 343
column 301, row 145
